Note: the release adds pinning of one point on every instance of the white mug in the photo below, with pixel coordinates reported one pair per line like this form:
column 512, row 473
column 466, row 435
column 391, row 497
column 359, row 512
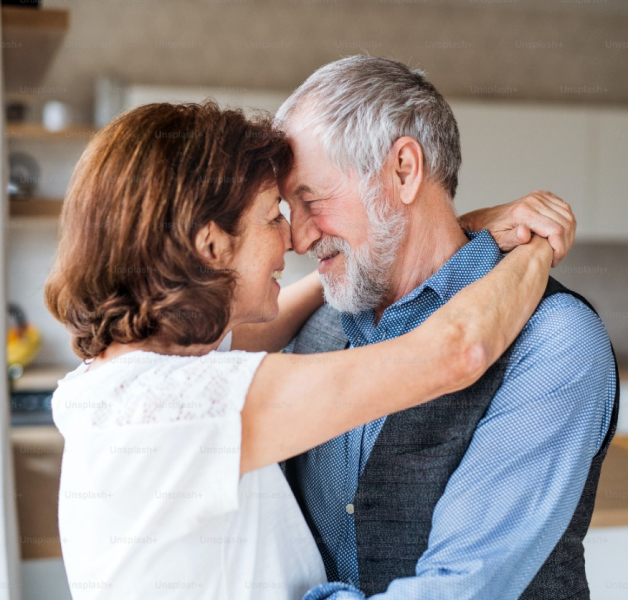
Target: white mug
column 56, row 115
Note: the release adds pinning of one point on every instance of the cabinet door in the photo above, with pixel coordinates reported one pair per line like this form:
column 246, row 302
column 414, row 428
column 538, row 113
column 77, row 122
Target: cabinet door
column 609, row 204
column 510, row 150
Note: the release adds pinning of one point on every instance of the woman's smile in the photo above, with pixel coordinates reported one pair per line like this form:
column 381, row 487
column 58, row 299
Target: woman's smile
column 277, row 274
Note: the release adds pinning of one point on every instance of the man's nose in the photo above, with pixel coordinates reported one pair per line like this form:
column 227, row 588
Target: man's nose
column 304, row 232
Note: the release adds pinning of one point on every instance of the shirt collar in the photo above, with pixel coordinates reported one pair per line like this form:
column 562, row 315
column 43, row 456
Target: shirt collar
column 474, row 260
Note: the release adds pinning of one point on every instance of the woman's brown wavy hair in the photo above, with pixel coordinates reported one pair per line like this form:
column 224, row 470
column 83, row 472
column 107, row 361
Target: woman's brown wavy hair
column 126, row 266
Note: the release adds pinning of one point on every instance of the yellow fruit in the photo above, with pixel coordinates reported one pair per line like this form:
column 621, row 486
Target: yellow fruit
column 22, row 348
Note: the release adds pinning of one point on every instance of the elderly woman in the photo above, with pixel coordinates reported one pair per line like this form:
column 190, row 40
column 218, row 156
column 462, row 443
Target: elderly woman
column 171, row 237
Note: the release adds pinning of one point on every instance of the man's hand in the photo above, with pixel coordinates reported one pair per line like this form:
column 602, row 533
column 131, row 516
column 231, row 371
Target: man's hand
column 513, row 224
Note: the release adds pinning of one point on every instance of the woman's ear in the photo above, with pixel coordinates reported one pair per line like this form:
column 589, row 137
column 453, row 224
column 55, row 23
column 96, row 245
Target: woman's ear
column 407, row 155
column 215, row 245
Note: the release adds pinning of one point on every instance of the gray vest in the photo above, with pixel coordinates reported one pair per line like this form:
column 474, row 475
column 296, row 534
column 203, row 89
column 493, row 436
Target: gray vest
column 414, row 456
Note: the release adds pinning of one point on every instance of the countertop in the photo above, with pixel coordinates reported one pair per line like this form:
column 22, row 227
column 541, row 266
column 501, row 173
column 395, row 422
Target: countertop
column 41, row 378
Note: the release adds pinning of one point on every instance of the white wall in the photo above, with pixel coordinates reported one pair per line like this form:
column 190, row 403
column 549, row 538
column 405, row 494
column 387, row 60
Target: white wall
column 606, row 556
column 580, row 154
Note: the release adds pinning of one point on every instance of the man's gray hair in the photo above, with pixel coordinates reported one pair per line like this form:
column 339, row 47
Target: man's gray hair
column 359, row 106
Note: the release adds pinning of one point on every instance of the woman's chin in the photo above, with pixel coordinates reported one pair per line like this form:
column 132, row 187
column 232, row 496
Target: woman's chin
column 273, row 313
column 270, row 311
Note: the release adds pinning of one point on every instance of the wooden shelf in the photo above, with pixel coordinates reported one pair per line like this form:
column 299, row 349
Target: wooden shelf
column 36, row 207
column 31, row 37
column 43, row 19
column 36, row 131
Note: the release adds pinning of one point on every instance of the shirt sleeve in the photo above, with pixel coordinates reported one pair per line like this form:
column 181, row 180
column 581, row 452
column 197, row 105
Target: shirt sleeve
column 517, row 487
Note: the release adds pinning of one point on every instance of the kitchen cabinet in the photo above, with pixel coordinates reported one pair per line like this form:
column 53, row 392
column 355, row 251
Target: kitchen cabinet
column 37, row 453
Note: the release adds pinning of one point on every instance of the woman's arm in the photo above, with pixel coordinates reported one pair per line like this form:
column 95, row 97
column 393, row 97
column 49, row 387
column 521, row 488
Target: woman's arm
column 296, row 402
column 514, row 223
column 297, row 302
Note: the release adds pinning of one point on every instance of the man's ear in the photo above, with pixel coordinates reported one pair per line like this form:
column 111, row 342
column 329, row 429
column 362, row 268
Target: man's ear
column 408, row 173
column 215, row 245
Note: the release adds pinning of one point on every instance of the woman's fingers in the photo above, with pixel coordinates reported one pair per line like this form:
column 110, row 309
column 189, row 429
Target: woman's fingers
column 568, row 220
column 550, row 217
column 556, row 203
column 540, row 212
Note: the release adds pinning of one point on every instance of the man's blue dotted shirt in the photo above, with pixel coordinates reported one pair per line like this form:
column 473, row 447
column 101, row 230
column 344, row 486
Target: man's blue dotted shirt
column 516, row 489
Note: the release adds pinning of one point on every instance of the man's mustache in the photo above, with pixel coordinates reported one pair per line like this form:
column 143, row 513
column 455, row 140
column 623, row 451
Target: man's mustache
column 327, row 246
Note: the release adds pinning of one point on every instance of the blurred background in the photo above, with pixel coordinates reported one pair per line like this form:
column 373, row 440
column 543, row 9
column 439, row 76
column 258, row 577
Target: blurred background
column 540, row 91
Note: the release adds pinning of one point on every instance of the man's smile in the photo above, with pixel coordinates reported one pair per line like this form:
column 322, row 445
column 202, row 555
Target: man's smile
column 325, row 263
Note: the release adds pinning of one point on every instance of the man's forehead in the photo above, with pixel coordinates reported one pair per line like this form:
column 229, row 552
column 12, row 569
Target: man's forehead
column 304, row 141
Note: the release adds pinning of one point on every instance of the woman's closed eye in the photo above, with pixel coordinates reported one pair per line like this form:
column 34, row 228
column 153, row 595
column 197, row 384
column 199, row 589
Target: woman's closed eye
column 279, row 218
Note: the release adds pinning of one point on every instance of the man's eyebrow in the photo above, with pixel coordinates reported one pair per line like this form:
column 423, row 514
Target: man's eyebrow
column 303, row 189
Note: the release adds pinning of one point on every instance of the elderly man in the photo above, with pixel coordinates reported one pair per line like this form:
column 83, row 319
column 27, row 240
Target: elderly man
column 483, row 494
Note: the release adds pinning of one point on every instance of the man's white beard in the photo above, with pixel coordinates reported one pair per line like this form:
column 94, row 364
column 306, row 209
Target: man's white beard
column 366, row 280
